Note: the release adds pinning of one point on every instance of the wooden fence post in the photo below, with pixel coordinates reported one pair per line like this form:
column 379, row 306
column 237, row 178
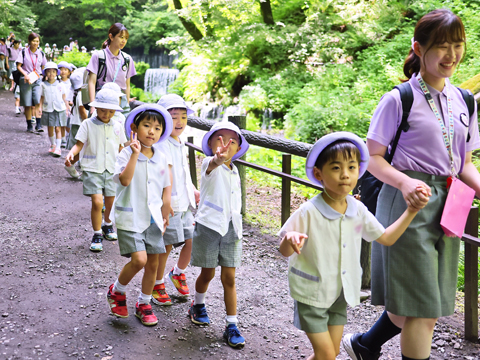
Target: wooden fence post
column 241, row 122
column 192, row 162
column 286, row 186
column 471, row 279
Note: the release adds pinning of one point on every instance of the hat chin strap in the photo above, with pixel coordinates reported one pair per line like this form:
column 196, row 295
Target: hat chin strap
column 145, row 146
column 331, row 198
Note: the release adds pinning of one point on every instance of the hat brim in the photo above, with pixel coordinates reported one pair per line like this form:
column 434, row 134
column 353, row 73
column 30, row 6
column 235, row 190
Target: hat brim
column 182, row 106
column 101, row 105
column 166, row 115
column 326, row 140
column 44, row 70
column 208, row 152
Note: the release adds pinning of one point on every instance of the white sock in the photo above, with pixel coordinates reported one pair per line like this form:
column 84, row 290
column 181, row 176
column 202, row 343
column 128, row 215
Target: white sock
column 144, row 298
column 52, row 140
column 199, row 298
column 64, row 139
column 108, row 224
column 97, row 231
column 178, row 271
column 231, row 319
column 119, row 287
column 58, row 143
column 158, row 282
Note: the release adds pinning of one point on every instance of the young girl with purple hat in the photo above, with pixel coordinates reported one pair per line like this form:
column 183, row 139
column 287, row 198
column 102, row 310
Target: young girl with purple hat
column 323, row 240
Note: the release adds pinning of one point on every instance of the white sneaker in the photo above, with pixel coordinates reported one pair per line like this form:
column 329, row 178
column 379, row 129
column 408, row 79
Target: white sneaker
column 57, row 152
column 72, row 171
column 17, row 110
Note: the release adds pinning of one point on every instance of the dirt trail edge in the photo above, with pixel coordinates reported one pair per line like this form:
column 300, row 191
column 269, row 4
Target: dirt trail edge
column 52, row 288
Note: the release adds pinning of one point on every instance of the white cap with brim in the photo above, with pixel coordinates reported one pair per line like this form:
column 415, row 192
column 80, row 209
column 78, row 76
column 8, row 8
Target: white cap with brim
column 77, row 80
column 115, row 87
column 150, row 107
column 326, row 140
column 173, row 101
column 50, row 65
column 106, row 99
column 66, row 65
column 228, row 126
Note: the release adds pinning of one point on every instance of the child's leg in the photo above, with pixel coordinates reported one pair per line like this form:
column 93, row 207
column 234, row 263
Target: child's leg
column 148, row 280
column 138, row 261
column 229, row 289
column 58, row 136
column 201, row 285
column 96, row 213
column 326, row 345
column 108, row 207
column 62, row 129
column 162, row 263
column 185, row 255
column 50, row 130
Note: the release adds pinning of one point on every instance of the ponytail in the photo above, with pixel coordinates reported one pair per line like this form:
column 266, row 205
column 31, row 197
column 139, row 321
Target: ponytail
column 106, row 43
column 411, row 65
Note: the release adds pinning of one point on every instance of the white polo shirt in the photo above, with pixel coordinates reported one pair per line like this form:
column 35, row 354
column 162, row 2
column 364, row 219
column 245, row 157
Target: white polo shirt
column 75, row 118
column 220, row 199
column 68, row 89
column 136, row 204
column 183, row 196
column 53, row 96
column 330, row 257
column 101, row 143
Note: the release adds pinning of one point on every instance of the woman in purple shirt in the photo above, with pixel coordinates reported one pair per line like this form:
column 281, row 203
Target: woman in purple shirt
column 416, row 278
column 119, row 65
column 30, row 63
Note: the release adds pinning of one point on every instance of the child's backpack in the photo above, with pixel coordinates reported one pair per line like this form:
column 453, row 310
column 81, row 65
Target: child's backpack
column 102, row 66
column 84, row 88
column 370, row 186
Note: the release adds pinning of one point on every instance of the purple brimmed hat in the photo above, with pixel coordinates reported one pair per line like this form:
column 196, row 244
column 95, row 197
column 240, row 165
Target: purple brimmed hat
column 326, row 140
column 51, row 65
column 153, row 107
column 228, row 126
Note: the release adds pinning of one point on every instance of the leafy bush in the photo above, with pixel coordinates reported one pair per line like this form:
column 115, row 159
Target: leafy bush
column 76, row 58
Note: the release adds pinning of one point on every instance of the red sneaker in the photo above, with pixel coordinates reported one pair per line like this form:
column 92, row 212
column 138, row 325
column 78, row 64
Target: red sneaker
column 145, row 314
column 160, row 296
column 117, row 303
column 180, row 283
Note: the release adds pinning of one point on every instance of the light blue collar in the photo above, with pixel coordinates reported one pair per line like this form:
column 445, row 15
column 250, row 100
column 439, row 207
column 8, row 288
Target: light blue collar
column 175, row 142
column 331, row 214
column 234, row 168
column 155, row 158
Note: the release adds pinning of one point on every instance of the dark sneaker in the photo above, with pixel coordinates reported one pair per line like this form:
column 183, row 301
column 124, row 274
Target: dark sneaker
column 109, row 233
column 96, row 244
column 356, row 350
column 38, row 127
column 198, row 314
column 233, row 337
column 29, row 126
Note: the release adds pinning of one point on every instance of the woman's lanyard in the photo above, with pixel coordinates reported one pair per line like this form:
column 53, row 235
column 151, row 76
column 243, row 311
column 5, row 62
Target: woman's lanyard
column 31, row 59
column 447, row 135
column 118, row 66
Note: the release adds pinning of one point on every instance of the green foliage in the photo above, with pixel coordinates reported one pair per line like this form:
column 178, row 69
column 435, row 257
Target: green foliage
column 143, row 96
column 18, row 17
column 461, row 272
column 141, row 67
column 76, row 58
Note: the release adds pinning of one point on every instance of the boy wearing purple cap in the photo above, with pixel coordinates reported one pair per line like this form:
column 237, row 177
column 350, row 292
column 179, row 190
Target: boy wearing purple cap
column 217, row 238
column 323, row 241
column 101, row 140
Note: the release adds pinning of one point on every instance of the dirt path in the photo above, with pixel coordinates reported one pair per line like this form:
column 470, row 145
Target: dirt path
column 52, row 288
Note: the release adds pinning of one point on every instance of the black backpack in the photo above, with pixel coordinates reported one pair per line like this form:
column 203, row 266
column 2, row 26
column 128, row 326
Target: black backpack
column 102, row 66
column 370, row 186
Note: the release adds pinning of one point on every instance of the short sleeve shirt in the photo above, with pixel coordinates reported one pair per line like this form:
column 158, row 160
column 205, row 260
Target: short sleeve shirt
column 330, row 257
column 75, row 119
column 111, row 62
column 13, row 53
column 141, row 200
column 101, row 143
column 53, row 96
column 32, row 60
column 422, row 148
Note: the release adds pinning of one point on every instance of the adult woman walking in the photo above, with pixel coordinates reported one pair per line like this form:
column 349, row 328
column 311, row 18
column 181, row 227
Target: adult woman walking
column 416, row 278
column 30, row 63
column 111, row 64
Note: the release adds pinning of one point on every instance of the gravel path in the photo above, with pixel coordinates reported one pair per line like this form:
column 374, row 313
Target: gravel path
column 52, row 289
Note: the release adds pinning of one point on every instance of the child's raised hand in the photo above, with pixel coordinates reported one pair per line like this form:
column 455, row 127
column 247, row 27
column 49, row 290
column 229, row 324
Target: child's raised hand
column 296, row 240
column 197, row 196
column 221, row 153
column 135, row 144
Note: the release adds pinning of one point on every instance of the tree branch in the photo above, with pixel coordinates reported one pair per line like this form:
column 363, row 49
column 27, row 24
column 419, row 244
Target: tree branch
column 267, row 12
column 190, row 26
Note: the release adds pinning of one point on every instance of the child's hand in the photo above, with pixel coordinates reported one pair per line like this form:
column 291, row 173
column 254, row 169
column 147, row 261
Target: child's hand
column 135, row 144
column 296, row 240
column 221, row 153
column 423, row 193
column 166, row 211
column 68, row 159
column 39, row 111
column 197, row 196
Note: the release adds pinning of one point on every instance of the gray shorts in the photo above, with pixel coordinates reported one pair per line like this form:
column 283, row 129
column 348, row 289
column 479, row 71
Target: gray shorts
column 150, row 240
column 314, row 320
column 71, row 136
column 12, row 66
column 54, row 118
column 417, row 276
column 210, row 249
column 95, row 183
column 179, row 229
column 30, row 93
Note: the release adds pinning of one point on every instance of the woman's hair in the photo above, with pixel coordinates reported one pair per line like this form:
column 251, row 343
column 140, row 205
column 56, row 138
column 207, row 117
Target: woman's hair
column 115, row 29
column 436, row 27
column 32, row 37
column 150, row 114
column 340, row 147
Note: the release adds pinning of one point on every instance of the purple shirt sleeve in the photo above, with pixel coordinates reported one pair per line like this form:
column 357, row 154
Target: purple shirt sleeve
column 93, row 63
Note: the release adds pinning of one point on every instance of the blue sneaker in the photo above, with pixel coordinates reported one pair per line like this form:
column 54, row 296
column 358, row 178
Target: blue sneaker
column 198, row 314
column 233, row 337
column 96, row 244
column 109, row 233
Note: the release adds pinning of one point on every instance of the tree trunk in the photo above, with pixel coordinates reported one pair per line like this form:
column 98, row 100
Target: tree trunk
column 190, row 26
column 365, row 262
column 267, row 12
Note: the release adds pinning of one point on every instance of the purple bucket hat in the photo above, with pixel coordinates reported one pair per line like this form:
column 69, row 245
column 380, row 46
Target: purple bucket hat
column 326, row 140
column 154, row 107
column 228, row 126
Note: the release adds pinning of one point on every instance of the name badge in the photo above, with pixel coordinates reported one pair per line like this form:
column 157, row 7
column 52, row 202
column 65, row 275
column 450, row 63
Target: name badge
column 464, row 119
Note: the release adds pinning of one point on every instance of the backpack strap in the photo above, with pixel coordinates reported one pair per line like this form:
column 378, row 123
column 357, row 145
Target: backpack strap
column 470, row 102
column 406, row 96
column 102, row 66
column 126, row 60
